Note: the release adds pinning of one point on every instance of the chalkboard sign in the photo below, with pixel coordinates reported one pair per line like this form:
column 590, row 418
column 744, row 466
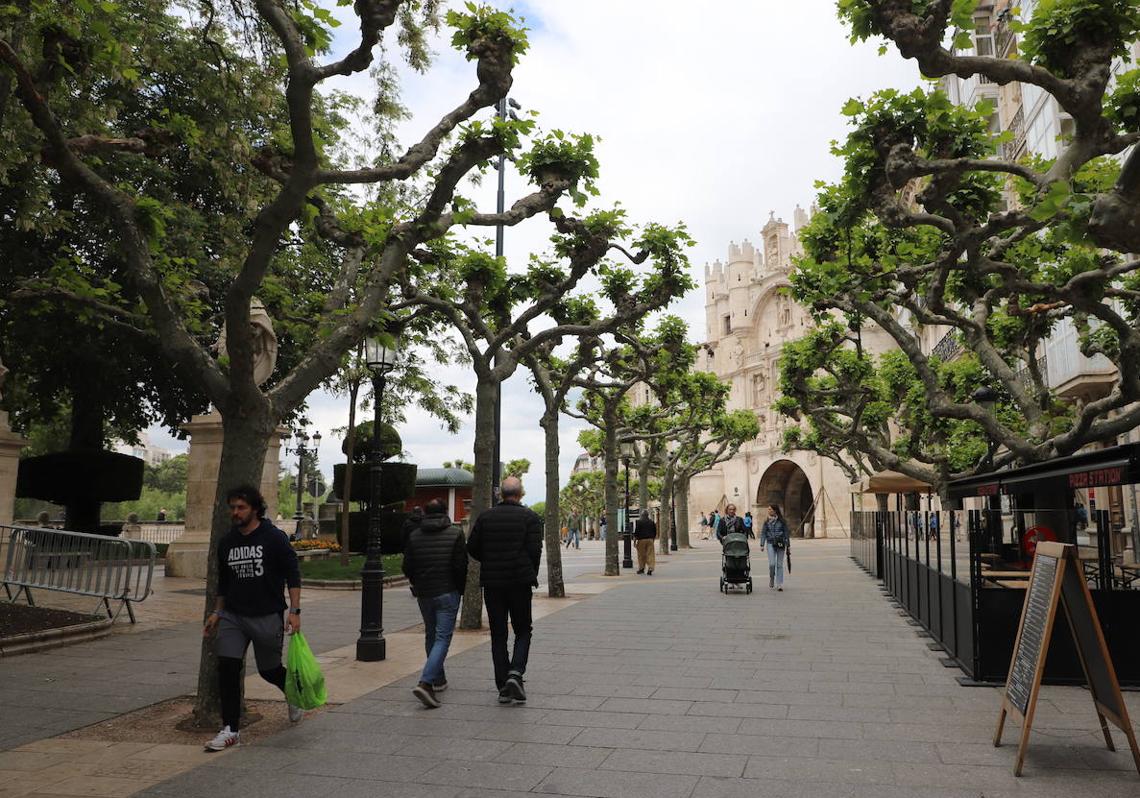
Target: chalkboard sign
column 1040, row 606
column 1058, row 578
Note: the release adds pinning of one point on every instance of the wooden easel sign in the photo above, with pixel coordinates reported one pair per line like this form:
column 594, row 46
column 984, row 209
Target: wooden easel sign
column 1057, row 578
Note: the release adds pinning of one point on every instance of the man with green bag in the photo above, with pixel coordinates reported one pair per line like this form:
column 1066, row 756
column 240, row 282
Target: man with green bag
column 255, row 564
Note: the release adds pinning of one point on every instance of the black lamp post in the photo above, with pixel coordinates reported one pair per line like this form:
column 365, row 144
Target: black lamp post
column 628, row 450
column 502, row 110
column 302, row 439
column 987, row 398
column 370, row 646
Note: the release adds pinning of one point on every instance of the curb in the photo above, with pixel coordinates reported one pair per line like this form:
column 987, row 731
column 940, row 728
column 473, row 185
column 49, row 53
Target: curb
column 351, row 584
column 54, row 638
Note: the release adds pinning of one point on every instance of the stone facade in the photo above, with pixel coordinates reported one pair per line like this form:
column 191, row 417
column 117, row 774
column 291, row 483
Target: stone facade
column 749, row 317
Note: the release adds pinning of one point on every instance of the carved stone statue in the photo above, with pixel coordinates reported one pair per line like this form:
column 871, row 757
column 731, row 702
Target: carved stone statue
column 759, row 388
column 785, row 311
column 738, row 353
column 264, row 342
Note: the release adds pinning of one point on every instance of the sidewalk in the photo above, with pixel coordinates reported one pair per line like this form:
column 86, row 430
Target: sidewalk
column 662, row 686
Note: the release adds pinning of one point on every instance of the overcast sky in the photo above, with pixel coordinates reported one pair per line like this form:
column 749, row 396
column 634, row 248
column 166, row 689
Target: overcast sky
column 713, row 118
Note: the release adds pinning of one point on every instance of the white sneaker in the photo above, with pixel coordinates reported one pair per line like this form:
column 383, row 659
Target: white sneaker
column 295, row 714
column 225, row 739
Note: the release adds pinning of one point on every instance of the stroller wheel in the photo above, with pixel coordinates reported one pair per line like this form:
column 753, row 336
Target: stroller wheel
column 749, row 588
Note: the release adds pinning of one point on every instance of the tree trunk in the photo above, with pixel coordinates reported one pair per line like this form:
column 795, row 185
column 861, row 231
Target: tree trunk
column 486, row 389
column 666, row 528
column 246, row 433
column 346, row 501
column 682, row 499
column 611, row 498
column 556, row 588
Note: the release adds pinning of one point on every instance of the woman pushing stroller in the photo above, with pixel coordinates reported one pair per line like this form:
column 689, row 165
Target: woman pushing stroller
column 774, row 535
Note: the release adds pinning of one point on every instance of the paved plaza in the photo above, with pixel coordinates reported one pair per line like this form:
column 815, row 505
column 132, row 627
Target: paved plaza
column 640, row 686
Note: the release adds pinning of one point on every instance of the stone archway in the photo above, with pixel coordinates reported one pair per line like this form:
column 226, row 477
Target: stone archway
column 785, row 484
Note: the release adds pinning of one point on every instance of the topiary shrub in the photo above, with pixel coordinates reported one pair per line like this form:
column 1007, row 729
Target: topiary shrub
column 81, row 480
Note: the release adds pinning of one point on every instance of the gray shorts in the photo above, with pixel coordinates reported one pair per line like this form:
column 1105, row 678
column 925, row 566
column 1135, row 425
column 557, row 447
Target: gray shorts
column 236, row 632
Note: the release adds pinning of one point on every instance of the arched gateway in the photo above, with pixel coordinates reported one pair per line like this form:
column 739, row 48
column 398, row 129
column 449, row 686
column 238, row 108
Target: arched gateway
column 786, row 484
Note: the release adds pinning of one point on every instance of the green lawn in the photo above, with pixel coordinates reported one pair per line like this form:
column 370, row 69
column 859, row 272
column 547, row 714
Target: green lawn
column 331, row 568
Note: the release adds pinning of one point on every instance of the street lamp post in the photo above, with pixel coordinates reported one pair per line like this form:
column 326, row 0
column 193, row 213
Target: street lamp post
column 302, row 440
column 987, row 398
column 370, row 646
column 627, row 452
column 502, row 110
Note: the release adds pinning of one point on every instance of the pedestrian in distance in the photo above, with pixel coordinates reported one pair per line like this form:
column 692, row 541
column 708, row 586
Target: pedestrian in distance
column 774, row 536
column 507, row 542
column 412, row 522
column 704, row 527
column 714, row 523
column 255, row 565
column 602, row 528
column 572, row 535
column 748, row 524
column 644, row 534
column 435, row 562
column 729, row 523
column 161, row 517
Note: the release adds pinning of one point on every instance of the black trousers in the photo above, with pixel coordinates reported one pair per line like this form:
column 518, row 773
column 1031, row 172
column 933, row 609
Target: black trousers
column 512, row 602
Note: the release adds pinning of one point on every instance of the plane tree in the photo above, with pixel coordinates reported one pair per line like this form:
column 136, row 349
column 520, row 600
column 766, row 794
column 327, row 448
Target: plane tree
column 937, row 223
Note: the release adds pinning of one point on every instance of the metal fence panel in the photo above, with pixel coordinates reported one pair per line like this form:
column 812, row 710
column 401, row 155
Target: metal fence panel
column 106, row 568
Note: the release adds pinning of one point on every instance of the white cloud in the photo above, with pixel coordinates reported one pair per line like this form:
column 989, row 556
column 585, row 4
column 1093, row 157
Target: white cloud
column 711, row 117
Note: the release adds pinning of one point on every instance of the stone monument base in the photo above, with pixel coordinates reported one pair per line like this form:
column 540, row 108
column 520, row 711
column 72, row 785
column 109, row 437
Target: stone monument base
column 10, row 446
column 186, row 557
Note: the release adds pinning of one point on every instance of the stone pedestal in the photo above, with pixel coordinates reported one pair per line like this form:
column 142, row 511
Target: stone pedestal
column 10, row 446
column 187, row 556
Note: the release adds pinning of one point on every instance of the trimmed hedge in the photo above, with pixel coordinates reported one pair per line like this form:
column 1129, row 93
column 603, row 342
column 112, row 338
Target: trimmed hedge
column 69, row 477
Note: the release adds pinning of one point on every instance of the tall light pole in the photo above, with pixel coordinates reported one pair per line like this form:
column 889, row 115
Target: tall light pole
column 502, row 110
column 302, row 440
column 628, row 450
column 370, row 646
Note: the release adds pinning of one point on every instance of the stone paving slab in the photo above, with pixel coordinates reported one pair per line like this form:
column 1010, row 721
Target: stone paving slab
column 664, row 687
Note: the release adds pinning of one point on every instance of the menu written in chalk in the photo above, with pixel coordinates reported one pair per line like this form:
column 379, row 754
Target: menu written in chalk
column 1038, row 606
column 1058, row 581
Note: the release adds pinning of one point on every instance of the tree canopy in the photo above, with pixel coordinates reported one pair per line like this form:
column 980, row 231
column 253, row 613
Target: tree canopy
column 935, row 227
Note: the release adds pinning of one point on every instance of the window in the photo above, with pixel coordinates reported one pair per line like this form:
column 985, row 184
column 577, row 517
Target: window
column 983, row 36
column 727, row 324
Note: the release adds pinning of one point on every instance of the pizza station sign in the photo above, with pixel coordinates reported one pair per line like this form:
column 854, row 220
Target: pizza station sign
column 1098, row 477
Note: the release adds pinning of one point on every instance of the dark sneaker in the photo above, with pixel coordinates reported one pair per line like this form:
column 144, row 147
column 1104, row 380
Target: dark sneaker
column 642, row 570
column 439, row 687
column 505, row 696
column 514, row 687
column 780, row 589
column 424, row 692
column 651, row 572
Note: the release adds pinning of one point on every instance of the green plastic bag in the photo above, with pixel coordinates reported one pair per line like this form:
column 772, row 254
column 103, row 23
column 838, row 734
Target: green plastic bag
column 304, row 682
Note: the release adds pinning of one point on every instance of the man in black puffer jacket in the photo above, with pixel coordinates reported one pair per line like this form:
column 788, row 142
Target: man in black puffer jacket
column 507, row 541
column 435, row 562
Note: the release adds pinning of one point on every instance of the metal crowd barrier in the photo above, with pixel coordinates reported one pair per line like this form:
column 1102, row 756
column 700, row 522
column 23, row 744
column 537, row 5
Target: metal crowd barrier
column 106, row 568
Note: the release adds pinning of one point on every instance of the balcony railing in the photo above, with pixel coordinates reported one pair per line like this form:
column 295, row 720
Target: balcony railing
column 1013, row 149
column 948, row 348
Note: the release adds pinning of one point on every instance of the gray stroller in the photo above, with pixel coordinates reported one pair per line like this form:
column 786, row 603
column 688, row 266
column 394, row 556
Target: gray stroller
column 735, row 563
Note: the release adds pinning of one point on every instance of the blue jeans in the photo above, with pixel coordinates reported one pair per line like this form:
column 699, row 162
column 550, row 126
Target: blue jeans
column 775, row 564
column 572, row 537
column 439, row 624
